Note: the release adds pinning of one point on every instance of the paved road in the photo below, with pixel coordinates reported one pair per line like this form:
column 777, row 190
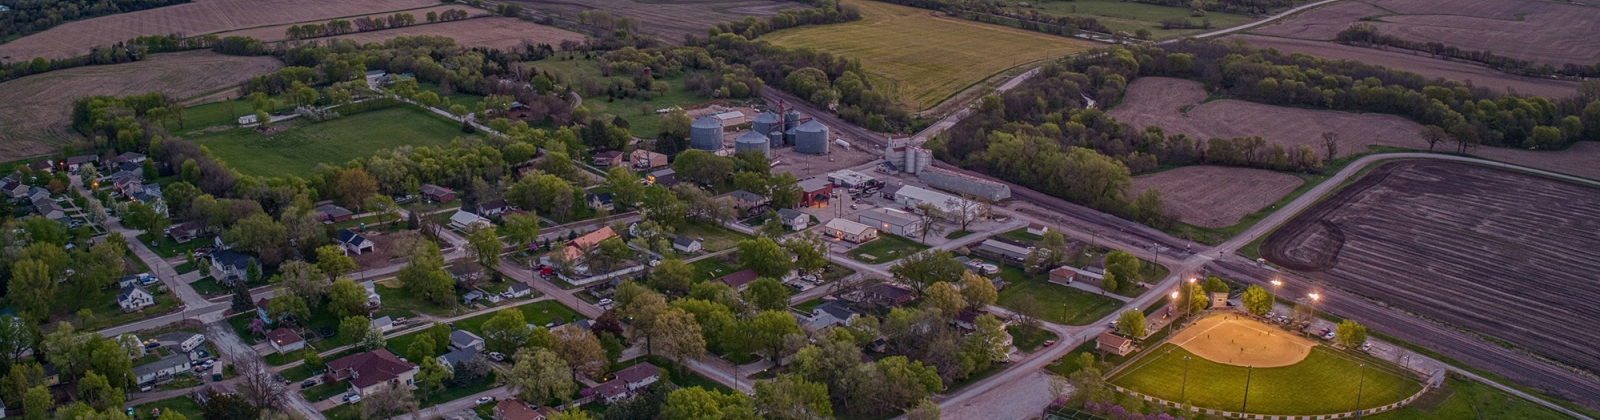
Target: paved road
column 1259, row 22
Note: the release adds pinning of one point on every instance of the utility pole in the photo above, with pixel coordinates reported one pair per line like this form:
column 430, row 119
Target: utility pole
column 1248, row 370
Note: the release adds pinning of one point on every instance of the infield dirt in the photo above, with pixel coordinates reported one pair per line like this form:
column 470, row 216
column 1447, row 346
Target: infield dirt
column 1235, row 340
column 1504, row 254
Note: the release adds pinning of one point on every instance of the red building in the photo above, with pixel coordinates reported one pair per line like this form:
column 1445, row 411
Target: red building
column 815, row 192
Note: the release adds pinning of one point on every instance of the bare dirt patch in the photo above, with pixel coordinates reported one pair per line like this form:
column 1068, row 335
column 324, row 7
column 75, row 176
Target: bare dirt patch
column 488, row 32
column 280, row 32
column 1216, row 196
column 667, row 20
column 1407, row 60
column 1159, row 101
column 1502, row 253
column 190, row 19
column 34, row 110
column 1238, row 341
column 1323, row 22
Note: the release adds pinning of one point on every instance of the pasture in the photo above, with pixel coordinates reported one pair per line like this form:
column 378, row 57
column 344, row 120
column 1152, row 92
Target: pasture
column 639, row 112
column 666, row 20
column 298, row 149
column 1497, row 252
column 923, row 56
column 1216, row 196
column 196, row 18
column 1325, row 382
column 1132, row 16
column 35, row 110
column 1542, row 32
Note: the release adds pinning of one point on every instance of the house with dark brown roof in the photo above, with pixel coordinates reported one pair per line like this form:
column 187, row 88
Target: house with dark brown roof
column 608, row 158
column 285, row 340
column 628, row 382
column 437, row 193
column 372, row 372
column 1114, row 344
column 888, row 294
column 739, row 279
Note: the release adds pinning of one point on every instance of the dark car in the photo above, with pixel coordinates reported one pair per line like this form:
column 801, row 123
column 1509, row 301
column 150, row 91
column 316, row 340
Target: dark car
column 308, row 383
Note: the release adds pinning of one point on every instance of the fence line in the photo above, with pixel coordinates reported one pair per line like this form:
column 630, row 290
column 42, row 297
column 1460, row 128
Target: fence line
column 1233, row 414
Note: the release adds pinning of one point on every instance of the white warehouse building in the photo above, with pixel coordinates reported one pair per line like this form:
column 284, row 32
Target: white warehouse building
column 910, row 196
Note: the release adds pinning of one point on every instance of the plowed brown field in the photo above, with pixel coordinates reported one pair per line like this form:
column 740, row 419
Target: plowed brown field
column 1505, row 254
column 280, row 32
column 34, row 110
column 1538, row 31
column 196, row 18
column 667, row 20
column 1322, row 22
column 1216, row 196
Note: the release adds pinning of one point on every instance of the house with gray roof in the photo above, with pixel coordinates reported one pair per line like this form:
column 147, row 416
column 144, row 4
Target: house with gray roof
column 162, row 371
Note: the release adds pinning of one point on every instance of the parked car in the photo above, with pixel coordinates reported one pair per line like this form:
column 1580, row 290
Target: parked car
column 1329, row 336
column 352, row 398
column 308, row 383
column 1366, row 347
column 1048, row 343
column 604, row 302
column 484, row 400
column 497, row 356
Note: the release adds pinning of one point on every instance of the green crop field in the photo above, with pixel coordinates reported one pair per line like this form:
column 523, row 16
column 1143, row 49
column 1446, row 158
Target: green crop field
column 1130, row 17
column 926, row 57
column 305, row 144
column 1325, row 382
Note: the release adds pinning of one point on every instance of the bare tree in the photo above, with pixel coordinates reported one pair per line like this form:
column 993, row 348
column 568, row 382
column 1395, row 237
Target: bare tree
column 929, row 215
column 389, row 403
column 259, row 385
column 1330, row 140
column 1434, row 135
column 965, row 211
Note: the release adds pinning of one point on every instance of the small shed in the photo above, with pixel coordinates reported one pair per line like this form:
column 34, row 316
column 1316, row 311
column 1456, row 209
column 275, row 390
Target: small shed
column 1113, row 344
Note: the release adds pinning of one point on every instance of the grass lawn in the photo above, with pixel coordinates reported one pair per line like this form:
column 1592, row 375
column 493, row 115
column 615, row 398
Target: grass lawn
column 167, row 248
column 304, row 145
column 537, row 313
column 1466, row 399
column 297, row 373
column 833, row 272
column 886, row 248
column 1028, row 338
column 208, row 286
column 106, row 311
column 343, row 412
column 241, row 326
column 926, row 58
column 183, row 404
column 642, row 124
column 451, row 394
column 1062, row 304
column 712, row 238
column 398, row 303
column 280, row 359
column 323, row 391
column 186, row 267
column 1131, row 17
column 1020, row 235
column 711, row 268
column 958, row 234
column 1325, row 382
column 686, row 378
column 807, row 305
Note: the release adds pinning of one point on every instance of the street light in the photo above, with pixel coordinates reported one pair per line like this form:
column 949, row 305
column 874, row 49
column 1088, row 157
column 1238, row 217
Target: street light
column 1359, row 387
column 1185, row 389
column 1244, row 408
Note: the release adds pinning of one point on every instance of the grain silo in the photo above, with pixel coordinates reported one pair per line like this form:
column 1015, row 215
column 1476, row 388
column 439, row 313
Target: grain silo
column 788, row 137
column 767, row 122
column 776, row 137
column 706, row 134
column 752, row 142
column 811, row 138
column 791, row 120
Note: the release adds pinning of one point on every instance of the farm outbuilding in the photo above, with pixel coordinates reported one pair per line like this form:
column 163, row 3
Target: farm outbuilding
column 811, row 138
column 910, row 196
column 964, row 184
column 891, row 220
column 706, row 134
column 730, row 118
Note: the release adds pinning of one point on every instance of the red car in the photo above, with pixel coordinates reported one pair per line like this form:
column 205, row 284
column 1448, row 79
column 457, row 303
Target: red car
column 1048, row 343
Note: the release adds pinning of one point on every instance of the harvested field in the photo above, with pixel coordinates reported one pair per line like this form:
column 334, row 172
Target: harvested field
column 667, row 20
column 1582, row 159
column 1130, row 16
column 280, row 32
column 1505, row 254
column 1322, row 23
column 1406, row 60
column 36, row 109
column 926, row 56
column 1216, row 196
column 490, row 32
column 1159, row 101
column 196, row 18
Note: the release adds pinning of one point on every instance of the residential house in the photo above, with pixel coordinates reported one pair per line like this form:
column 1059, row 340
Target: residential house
column 465, row 272
column 815, row 192
column 73, row 163
column 645, row 159
column 464, row 339
column 515, row 409
column 37, row 193
column 184, row 232
column 229, row 266
column 162, row 371
column 372, row 372
column 892, row 221
column 466, row 221
column 577, row 248
column 665, row 177
column 43, row 167
column 455, row 357
column 126, row 158
column 493, row 208
column 886, row 294
column 352, row 242
column 374, row 300
column 850, row 231
column 1037, row 229
column 49, row 209
column 330, row 213
column 1114, row 344
column 285, row 340
column 967, row 319
column 135, row 297
column 794, row 219
column 383, row 324
column 598, row 201
column 628, row 381
column 518, row 289
column 739, row 279
column 685, row 244
column 1067, row 275
column 608, row 158
column 747, row 203
column 437, row 193
column 828, row 314
column 14, row 189
column 1010, row 252
column 261, row 311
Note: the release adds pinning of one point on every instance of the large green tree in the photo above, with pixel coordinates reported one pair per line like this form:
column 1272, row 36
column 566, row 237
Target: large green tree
column 923, row 269
column 791, row 397
column 1256, row 300
column 506, row 331
column 346, row 298
column 767, row 294
column 484, row 244
column 765, row 257
column 540, row 375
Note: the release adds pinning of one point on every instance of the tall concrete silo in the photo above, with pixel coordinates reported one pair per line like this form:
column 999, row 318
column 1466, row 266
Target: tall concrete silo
column 752, row 142
column 706, row 134
column 765, row 123
column 811, row 138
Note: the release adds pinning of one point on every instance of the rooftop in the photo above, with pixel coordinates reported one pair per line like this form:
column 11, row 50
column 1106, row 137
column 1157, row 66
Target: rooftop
column 738, row 279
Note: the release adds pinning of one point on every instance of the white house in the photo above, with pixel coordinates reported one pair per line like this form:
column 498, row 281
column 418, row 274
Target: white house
column 794, row 219
column 628, row 381
column 685, row 244
column 352, row 242
column 891, row 220
column 1037, row 229
column 462, row 339
column 383, row 324
column 285, row 340
column 162, row 370
column 850, row 231
column 135, row 297
column 373, row 298
column 518, row 289
column 466, row 220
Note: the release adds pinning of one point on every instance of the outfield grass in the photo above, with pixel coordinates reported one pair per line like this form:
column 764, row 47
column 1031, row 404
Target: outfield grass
column 926, row 58
column 1061, row 304
column 1130, row 17
column 1325, row 382
column 886, row 248
column 1465, row 399
column 300, row 148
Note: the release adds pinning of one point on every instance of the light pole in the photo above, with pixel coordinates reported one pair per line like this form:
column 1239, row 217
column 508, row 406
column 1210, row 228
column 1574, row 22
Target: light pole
column 1188, row 306
column 1275, row 286
column 1360, row 385
column 1244, row 408
column 1314, row 298
column 1182, row 392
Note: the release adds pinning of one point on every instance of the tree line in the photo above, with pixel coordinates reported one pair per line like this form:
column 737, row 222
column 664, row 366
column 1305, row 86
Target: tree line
column 27, row 17
column 1366, row 35
column 825, row 12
